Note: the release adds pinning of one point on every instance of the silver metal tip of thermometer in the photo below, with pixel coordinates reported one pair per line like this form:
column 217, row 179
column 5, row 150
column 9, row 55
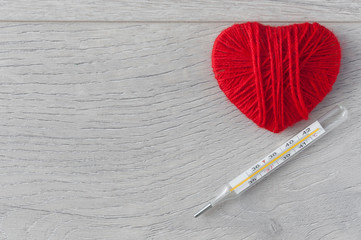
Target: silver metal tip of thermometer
column 208, row 206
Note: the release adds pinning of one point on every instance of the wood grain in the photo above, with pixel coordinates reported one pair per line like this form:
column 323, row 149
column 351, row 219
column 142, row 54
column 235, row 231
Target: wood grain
column 119, row 131
column 185, row 10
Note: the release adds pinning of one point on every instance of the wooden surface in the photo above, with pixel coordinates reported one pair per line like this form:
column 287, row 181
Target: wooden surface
column 113, row 127
column 184, row 11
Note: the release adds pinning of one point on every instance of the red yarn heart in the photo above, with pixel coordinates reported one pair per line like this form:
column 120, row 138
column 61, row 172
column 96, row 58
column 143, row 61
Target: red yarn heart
column 276, row 75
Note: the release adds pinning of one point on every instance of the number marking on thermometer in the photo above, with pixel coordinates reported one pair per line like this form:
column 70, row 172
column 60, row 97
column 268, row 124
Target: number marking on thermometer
column 250, row 175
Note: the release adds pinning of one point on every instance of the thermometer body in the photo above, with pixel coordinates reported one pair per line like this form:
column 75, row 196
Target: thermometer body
column 280, row 156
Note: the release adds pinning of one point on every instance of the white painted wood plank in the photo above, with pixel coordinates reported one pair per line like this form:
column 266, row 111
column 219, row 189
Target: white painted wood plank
column 119, row 131
column 189, row 10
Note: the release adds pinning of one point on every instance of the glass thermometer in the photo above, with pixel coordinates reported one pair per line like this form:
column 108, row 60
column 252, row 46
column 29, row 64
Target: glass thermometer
column 279, row 156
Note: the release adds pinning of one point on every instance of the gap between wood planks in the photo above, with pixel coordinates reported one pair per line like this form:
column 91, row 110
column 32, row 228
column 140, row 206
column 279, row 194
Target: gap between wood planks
column 158, row 22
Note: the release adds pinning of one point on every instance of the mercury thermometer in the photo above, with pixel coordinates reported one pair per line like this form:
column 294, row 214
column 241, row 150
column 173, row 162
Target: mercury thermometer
column 279, row 156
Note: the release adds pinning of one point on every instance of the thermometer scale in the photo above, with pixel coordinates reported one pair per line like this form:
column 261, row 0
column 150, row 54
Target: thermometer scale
column 280, row 156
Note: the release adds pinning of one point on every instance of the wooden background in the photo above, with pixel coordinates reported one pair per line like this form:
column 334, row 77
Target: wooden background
column 113, row 127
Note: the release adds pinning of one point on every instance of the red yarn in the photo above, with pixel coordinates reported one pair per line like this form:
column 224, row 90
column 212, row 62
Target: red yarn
column 276, row 75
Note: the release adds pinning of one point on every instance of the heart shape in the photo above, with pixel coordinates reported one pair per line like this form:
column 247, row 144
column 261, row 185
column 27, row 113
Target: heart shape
column 276, row 75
